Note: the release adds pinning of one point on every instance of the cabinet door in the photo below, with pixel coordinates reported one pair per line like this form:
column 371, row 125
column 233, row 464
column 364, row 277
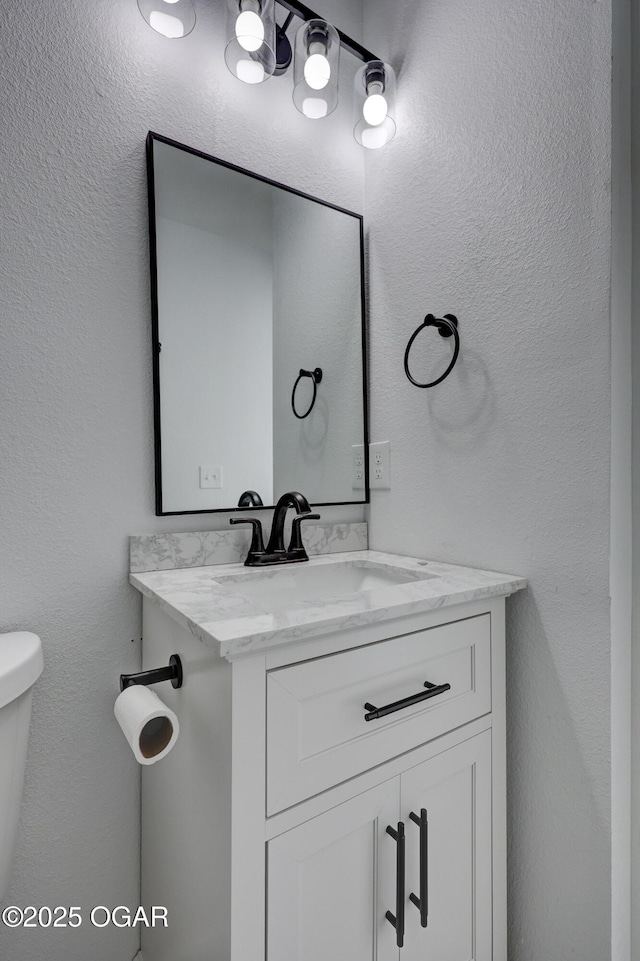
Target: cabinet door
column 331, row 881
column 454, row 788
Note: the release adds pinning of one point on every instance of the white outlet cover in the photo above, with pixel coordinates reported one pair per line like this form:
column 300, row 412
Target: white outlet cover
column 380, row 465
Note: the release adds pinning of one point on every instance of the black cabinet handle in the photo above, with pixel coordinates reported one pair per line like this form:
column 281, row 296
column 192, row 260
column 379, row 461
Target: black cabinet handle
column 422, row 903
column 397, row 919
column 432, row 691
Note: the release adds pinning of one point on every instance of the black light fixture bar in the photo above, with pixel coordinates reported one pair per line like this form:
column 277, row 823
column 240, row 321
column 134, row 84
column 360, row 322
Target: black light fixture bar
column 306, row 13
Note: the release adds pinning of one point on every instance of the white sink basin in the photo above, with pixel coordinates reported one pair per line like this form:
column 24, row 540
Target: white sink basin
column 275, row 588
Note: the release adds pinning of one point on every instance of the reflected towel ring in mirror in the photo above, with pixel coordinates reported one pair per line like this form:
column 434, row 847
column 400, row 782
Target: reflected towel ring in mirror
column 447, row 326
column 316, row 377
column 250, row 499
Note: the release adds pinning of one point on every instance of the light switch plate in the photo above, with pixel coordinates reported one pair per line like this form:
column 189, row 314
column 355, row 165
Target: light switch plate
column 210, row 478
column 380, row 465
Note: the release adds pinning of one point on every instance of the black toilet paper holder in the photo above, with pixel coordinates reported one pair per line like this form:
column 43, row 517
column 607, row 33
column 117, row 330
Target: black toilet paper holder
column 171, row 673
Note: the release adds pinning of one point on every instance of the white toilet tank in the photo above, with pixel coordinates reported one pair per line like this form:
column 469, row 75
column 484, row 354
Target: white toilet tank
column 20, row 667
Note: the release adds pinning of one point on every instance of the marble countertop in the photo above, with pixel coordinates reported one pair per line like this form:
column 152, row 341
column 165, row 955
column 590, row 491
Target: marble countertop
column 222, row 617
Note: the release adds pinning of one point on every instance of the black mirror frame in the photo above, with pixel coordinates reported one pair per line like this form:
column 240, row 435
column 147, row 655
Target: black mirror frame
column 153, row 271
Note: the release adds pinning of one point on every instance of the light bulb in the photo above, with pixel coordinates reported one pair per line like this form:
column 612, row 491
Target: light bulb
column 375, row 109
column 314, row 107
column 317, row 71
column 250, row 71
column 250, row 30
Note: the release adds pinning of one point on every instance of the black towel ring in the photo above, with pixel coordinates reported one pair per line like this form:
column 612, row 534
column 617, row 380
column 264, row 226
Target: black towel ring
column 447, row 326
column 316, row 377
column 250, row 499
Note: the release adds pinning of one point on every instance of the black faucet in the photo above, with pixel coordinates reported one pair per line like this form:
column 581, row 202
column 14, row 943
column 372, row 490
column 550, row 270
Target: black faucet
column 275, row 552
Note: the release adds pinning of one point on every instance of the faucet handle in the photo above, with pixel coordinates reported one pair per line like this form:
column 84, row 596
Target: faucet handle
column 295, row 544
column 257, row 543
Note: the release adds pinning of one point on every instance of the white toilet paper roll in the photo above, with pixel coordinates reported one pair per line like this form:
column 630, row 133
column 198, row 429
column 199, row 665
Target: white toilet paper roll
column 150, row 727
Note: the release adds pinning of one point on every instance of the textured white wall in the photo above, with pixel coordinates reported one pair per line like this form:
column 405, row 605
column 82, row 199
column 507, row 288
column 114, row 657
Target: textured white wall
column 82, row 84
column 493, row 203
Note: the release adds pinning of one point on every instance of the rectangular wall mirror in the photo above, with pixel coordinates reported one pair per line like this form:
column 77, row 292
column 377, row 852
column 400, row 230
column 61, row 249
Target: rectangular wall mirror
column 258, row 336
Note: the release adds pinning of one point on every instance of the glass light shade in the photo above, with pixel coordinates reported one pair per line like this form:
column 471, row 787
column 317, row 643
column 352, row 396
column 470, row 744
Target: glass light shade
column 374, row 102
column 171, row 18
column 316, row 64
column 251, row 39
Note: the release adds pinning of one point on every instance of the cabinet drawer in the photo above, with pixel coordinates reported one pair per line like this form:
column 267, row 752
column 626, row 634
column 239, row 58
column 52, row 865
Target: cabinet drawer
column 317, row 735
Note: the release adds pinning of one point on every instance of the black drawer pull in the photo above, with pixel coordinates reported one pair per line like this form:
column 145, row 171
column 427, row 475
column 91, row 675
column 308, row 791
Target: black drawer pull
column 422, row 902
column 432, row 691
column 397, row 919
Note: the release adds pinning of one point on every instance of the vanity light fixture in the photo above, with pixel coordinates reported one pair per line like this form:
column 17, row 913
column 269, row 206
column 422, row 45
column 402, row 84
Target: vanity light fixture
column 315, row 69
column 258, row 48
column 374, row 99
column 171, row 18
column 250, row 53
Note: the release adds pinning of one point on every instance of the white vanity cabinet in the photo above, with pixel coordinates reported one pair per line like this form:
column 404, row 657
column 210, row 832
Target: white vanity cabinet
column 265, row 831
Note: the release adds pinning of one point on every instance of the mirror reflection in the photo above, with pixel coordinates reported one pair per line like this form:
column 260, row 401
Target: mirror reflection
column 258, row 338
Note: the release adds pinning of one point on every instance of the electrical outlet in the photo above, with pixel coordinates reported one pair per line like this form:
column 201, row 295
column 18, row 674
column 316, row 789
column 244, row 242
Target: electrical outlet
column 210, row 478
column 380, row 465
column 357, row 467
